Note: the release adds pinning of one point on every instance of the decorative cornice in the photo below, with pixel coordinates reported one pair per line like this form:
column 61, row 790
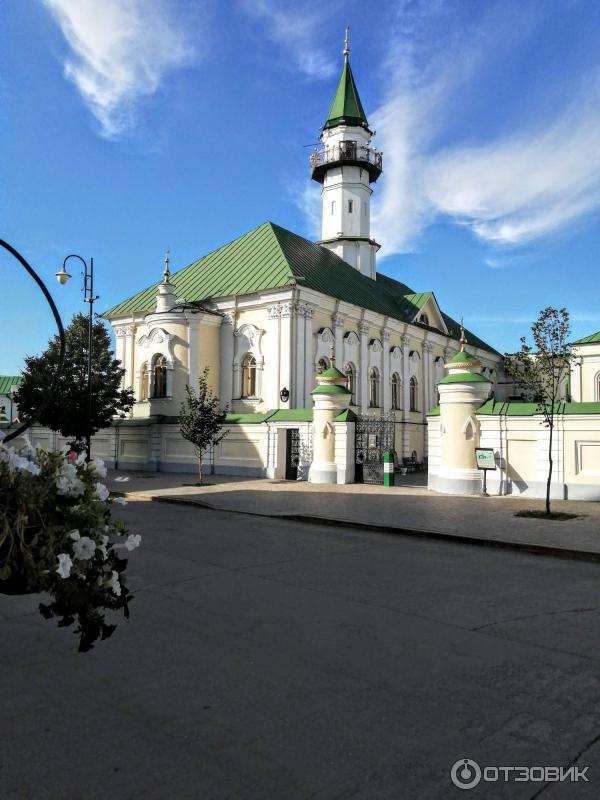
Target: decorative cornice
column 124, row 330
column 427, row 347
column 385, row 334
column 337, row 321
column 405, row 341
column 363, row 328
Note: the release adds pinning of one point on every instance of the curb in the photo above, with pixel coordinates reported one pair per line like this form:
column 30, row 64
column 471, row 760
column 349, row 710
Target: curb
column 480, row 541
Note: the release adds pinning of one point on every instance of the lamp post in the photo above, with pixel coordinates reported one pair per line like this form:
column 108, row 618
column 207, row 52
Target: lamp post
column 62, row 276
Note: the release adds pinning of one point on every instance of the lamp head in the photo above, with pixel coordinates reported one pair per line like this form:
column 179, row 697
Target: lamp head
column 62, row 276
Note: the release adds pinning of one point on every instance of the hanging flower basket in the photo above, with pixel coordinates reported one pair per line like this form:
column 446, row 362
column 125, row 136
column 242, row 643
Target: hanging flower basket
column 57, row 538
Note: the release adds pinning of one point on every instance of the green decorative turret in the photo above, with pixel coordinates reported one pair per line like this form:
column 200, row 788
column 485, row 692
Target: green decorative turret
column 331, row 397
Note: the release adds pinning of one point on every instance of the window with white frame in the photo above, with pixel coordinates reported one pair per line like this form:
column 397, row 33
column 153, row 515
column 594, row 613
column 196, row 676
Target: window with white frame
column 249, row 376
column 350, row 382
column 374, row 387
column 396, row 392
column 414, row 394
column 159, row 388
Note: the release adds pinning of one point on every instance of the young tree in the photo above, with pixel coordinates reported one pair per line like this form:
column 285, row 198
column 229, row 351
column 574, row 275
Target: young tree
column 201, row 420
column 541, row 371
column 68, row 409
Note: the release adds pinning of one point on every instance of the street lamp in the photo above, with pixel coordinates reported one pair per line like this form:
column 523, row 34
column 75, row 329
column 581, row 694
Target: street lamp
column 62, row 276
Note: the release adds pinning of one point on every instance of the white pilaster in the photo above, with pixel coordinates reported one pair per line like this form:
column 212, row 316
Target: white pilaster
column 363, row 386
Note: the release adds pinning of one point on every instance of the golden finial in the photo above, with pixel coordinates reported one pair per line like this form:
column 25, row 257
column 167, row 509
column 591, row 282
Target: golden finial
column 347, row 44
column 166, row 271
column 463, row 338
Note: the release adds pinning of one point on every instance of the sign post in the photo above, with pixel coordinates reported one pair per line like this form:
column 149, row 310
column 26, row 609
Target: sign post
column 388, row 468
column 484, row 457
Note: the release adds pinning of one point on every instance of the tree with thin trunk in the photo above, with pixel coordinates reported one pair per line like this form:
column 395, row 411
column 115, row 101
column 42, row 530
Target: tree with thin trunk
column 68, row 411
column 201, row 419
column 542, row 371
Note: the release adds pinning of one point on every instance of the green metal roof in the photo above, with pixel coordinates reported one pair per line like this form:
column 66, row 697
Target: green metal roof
column 512, row 408
column 291, row 415
column 346, row 416
column 330, row 388
column 6, row 381
column 346, row 108
column 464, row 377
column 434, row 412
column 332, row 372
column 593, row 338
column 462, row 357
column 271, row 257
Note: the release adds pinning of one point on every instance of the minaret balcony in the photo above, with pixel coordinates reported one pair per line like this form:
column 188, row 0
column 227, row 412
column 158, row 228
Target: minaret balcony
column 346, row 153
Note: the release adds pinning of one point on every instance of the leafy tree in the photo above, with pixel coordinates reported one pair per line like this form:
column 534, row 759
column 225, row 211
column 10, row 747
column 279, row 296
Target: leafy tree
column 201, row 419
column 541, row 371
column 68, row 409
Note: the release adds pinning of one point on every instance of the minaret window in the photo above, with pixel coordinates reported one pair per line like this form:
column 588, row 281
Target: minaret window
column 160, row 377
column 333, row 206
column 249, row 376
column 350, row 206
column 396, row 391
column 414, row 394
column 374, row 388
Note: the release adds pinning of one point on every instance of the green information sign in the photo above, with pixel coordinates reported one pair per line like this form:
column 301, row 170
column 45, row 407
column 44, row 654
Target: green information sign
column 485, row 458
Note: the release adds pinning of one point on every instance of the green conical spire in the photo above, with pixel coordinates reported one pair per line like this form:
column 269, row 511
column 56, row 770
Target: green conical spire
column 346, row 108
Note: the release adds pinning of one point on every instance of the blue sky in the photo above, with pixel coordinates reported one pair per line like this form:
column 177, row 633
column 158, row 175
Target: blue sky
column 133, row 126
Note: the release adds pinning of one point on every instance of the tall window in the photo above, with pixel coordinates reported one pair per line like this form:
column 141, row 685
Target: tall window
column 414, row 394
column 396, row 391
column 597, row 397
column 374, row 388
column 350, row 382
column 333, row 206
column 424, row 319
column 144, row 382
column 249, row 376
column 160, row 377
column 350, row 206
column 322, row 365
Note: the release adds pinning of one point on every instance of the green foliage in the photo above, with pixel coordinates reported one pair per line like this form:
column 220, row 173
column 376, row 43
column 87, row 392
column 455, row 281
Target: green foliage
column 201, row 418
column 68, row 409
column 540, row 371
column 57, row 537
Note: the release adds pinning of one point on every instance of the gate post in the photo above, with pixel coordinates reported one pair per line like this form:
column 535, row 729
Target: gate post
column 330, row 397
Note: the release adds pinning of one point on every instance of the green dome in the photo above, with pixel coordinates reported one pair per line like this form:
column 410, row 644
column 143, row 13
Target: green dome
column 462, row 357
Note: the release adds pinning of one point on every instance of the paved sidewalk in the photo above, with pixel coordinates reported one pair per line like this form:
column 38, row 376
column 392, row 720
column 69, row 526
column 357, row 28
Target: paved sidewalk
column 407, row 509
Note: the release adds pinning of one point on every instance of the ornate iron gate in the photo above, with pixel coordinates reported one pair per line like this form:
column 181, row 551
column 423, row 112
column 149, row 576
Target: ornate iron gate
column 292, row 454
column 374, row 436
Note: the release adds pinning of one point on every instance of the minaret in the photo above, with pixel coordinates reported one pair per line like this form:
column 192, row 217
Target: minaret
column 346, row 165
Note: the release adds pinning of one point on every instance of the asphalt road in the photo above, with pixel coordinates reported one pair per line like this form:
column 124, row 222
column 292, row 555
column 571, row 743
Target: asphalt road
column 282, row 661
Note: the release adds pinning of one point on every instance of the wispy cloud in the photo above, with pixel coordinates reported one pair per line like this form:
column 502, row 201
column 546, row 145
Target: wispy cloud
column 120, row 52
column 295, row 27
column 511, row 190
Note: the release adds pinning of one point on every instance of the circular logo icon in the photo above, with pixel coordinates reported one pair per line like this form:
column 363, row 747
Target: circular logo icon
column 465, row 773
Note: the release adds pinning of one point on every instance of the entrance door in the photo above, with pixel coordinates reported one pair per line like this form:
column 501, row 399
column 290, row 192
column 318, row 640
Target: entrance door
column 374, row 436
column 292, row 454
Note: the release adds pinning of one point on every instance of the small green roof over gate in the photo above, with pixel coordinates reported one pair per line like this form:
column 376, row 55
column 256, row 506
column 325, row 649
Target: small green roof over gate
column 6, row 381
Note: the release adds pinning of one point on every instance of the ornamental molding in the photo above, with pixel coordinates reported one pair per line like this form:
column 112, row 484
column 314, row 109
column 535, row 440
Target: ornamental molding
column 250, row 336
column 337, row 321
column 385, row 335
column 279, row 310
column 375, row 345
column 351, row 339
column 405, row 341
column 414, row 356
column 159, row 340
column 326, row 335
column 229, row 318
column 363, row 328
column 396, row 352
column 124, row 330
column 428, row 347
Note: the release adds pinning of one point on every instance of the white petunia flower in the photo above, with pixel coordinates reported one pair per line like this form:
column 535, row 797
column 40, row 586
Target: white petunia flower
column 133, row 541
column 120, row 501
column 32, row 468
column 81, row 458
column 98, row 467
column 103, row 546
column 68, row 483
column 102, row 492
column 114, row 583
column 84, row 548
column 64, row 565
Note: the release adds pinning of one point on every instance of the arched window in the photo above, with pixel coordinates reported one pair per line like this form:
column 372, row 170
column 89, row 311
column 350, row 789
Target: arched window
column 396, row 391
column 144, row 382
column 322, row 365
column 350, row 382
column 249, row 376
column 597, row 389
column 414, row 394
column 374, row 388
column 160, row 377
